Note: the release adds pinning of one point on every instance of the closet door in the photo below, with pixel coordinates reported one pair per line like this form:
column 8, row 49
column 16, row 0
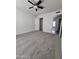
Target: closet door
column 41, row 24
column 57, row 24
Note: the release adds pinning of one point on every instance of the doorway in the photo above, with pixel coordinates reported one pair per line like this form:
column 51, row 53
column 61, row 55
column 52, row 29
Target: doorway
column 41, row 24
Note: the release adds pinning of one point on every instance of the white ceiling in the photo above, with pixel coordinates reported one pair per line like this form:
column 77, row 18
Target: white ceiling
column 50, row 5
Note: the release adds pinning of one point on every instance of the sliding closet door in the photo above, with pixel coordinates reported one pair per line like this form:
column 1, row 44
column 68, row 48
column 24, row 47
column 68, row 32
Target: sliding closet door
column 41, row 24
column 57, row 24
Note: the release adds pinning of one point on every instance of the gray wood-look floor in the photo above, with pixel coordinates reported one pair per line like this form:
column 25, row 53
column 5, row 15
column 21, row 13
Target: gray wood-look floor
column 38, row 45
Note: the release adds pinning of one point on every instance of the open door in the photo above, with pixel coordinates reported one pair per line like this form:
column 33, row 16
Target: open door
column 41, row 24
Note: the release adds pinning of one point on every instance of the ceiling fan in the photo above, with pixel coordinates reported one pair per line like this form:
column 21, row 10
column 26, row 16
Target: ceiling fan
column 36, row 5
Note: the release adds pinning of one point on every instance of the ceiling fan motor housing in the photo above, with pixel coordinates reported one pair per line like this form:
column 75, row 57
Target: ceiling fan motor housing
column 35, row 7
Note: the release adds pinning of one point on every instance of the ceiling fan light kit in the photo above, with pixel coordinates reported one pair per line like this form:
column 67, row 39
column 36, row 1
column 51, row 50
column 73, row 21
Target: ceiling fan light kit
column 36, row 5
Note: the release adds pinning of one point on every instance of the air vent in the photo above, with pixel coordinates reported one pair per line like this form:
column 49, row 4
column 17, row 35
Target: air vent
column 58, row 12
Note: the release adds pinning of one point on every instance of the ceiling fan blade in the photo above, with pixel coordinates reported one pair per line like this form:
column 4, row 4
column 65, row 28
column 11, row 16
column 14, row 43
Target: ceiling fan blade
column 39, row 2
column 41, row 7
column 30, row 7
column 36, row 9
column 30, row 2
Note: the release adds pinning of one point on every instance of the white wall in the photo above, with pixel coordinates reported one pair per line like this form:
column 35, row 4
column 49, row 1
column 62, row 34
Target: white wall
column 47, row 21
column 24, row 22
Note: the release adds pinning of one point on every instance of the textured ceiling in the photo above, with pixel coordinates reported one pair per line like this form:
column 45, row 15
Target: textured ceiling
column 50, row 6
